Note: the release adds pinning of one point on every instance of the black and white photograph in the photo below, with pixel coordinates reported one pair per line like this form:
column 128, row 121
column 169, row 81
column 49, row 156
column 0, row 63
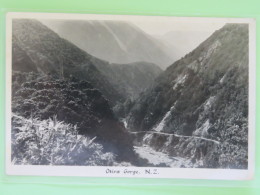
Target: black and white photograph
column 130, row 96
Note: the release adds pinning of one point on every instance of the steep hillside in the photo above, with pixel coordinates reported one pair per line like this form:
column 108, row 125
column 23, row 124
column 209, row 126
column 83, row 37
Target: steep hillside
column 205, row 95
column 37, row 48
column 174, row 41
column 129, row 79
column 52, row 77
column 71, row 101
column 113, row 41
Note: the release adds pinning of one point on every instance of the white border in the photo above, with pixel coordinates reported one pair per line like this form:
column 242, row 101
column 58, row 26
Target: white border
column 97, row 171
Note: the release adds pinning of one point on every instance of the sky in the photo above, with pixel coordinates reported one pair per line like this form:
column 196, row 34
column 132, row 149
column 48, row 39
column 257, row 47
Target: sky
column 162, row 27
column 181, row 35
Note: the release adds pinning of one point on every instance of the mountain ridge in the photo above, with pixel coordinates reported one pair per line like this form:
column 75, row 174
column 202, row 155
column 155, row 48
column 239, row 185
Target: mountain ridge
column 51, row 54
column 37, row 48
column 202, row 94
column 125, row 42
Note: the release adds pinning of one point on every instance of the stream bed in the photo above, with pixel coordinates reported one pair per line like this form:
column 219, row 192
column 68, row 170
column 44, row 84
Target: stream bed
column 158, row 158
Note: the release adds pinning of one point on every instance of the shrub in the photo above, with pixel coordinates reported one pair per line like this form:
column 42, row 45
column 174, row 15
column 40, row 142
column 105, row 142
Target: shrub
column 73, row 101
column 51, row 142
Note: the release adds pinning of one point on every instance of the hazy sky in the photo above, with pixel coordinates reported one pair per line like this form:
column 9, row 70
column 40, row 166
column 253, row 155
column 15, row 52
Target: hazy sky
column 164, row 26
column 179, row 36
column 183, row 34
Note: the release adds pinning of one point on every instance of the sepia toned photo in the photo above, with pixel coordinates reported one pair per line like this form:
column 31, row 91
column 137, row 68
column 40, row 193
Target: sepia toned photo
column 130, row 96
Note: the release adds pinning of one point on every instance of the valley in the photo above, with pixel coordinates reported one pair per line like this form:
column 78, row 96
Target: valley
column 131, row 107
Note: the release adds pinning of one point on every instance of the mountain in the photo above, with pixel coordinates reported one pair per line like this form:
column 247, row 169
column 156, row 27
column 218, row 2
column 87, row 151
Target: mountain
column 183, row 42
column 39, row 49
column 202, row 101
column 114, row 41
column 129, row 79
column 53, row 77
column 71, row 101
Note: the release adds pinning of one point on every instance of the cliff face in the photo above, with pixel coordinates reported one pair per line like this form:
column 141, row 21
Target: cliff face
column 204, row 94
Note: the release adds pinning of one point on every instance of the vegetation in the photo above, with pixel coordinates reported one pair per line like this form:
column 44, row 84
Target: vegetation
column 74, row 102
column 61, row 120
column 52, row 142
column 205, row 94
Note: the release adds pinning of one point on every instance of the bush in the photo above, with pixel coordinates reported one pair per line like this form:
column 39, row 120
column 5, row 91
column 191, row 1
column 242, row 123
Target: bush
column 73, row 101
column 51, row 142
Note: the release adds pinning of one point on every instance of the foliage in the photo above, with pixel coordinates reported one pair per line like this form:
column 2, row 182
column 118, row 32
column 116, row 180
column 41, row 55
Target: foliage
column 214, row 88
column 52, row 142
column 73, row 101
column 36, row 48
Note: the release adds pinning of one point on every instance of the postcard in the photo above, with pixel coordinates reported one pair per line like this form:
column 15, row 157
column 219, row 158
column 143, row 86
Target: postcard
column 130, row 96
